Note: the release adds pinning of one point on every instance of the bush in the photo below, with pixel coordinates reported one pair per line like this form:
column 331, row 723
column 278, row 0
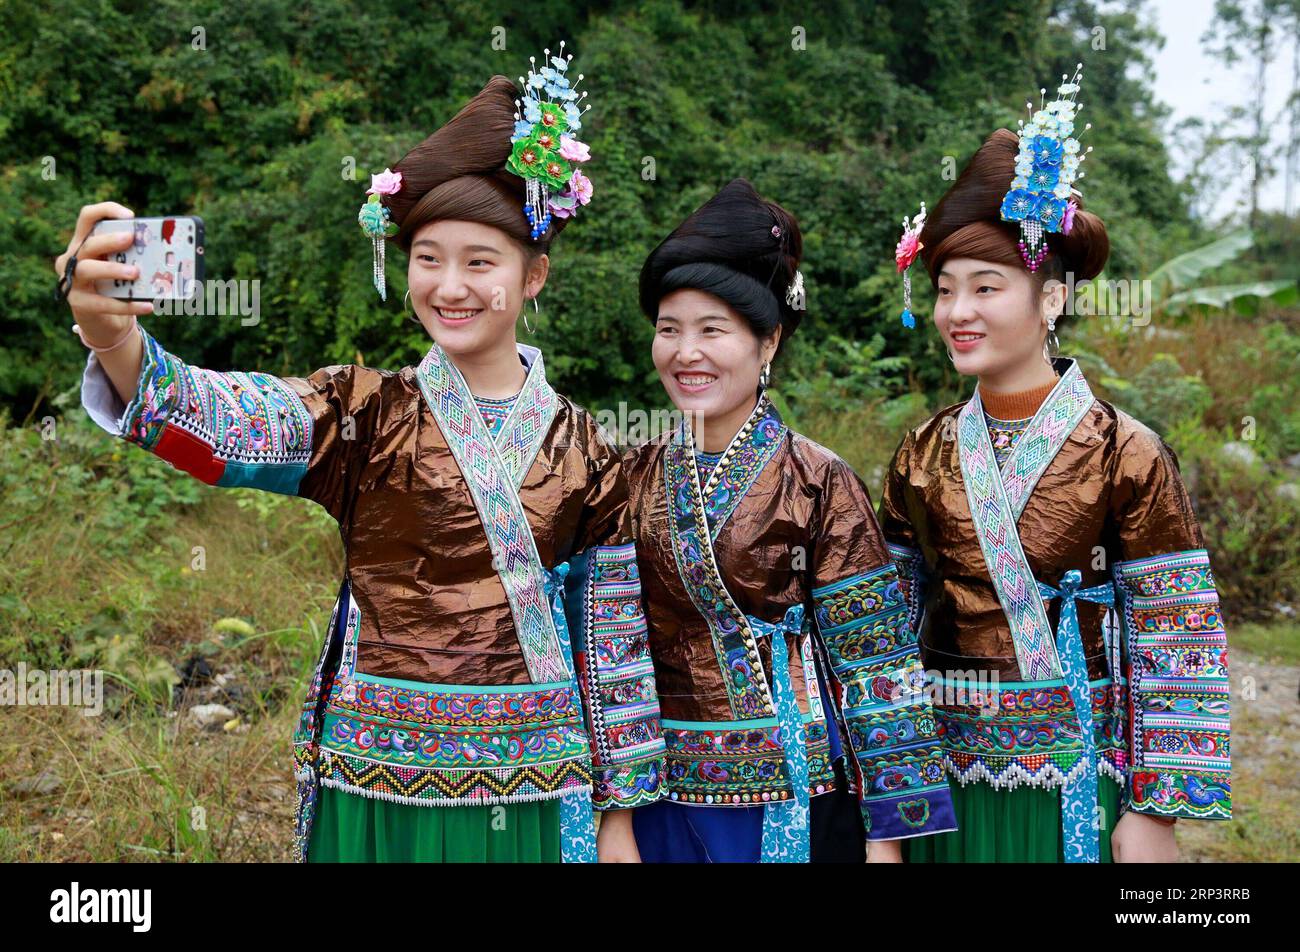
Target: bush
column 1249, row 509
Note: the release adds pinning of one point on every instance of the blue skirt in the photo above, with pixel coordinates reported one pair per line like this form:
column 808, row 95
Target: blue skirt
column 672, row 832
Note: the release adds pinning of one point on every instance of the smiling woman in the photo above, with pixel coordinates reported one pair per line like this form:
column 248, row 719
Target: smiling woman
column 788, row 675
column 480, row 706
column 1055, row 571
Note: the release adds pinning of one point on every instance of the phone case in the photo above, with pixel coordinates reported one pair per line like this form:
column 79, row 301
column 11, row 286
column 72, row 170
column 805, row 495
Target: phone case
column 168, row 252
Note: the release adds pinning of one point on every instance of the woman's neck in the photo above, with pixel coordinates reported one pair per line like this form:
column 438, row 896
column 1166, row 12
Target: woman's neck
column 1028, row 376
column 496, row 373
column 717, row 432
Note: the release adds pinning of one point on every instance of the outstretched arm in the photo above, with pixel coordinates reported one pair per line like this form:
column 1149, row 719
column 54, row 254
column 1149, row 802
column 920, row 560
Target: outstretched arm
column 288, row 435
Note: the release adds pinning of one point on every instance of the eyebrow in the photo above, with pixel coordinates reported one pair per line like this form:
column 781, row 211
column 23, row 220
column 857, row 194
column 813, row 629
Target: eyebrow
column 434, row 244
column 700, row 319
column 973, row 274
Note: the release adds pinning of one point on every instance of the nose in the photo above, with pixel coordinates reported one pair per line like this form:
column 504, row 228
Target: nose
column 688, row 350
column 962, row 309
column 451, row 285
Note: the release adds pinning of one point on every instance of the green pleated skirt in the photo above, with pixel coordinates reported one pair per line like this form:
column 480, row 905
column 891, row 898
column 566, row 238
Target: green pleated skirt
column 1009, row 826
column 354, row 829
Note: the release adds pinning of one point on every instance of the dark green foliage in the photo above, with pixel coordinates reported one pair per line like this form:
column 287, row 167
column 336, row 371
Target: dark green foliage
column 252, row 133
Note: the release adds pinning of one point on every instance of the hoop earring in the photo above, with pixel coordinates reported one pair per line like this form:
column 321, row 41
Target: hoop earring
column 765, row 376
column 535, row 311
column 410, row 316
column 951, row 358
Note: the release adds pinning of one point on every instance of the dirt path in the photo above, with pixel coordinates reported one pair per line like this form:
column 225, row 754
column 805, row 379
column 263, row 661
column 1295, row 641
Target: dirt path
column 1265, row 753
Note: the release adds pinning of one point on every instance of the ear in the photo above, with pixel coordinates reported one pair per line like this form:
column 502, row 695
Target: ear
column 1053, row 299
column 767, row 349
column 535, row 279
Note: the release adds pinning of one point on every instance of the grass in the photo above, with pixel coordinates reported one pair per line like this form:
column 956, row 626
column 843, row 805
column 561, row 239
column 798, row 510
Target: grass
column 138, row 585
column 1276, row 644
column 110, row 559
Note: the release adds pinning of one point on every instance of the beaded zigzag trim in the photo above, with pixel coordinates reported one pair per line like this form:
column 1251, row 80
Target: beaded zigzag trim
column 476, row 787
column 490, row 476
column 997, row 496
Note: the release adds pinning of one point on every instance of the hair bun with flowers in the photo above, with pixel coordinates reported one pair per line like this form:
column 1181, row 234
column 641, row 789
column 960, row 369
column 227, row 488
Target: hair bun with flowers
column 543, row 149
column 546, row 152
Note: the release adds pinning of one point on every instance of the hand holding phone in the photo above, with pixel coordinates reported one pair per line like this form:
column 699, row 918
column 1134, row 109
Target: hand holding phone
column 167, row 254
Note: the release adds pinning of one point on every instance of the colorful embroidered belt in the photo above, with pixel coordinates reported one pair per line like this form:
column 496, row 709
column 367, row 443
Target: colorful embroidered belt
column 1025, row 732
column 445, row 744
column 741, row 763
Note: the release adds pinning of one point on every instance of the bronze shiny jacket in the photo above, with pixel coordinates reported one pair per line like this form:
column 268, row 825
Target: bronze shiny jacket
column 805, row 522
column 432, row 605
column 800, row 550
column 422, row 692
column 1112, row 494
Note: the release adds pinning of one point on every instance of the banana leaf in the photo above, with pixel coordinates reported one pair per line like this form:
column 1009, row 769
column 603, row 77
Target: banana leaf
column 1244, row 300
column 1178, row 273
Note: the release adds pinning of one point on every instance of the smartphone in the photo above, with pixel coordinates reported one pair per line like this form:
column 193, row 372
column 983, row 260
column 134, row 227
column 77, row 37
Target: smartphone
column 168, row 251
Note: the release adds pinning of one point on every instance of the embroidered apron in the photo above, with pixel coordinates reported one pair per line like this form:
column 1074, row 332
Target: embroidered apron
column 494, row 470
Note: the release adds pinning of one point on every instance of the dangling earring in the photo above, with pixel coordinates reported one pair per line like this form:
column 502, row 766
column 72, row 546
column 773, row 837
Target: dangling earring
column 535, row 311
column 1051, row 346
column 765, row 376
column 414, row 319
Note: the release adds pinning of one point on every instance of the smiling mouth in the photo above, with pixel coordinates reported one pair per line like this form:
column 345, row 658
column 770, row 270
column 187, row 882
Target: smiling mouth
column 457, row 316
column 966, row 340
column 694, row 381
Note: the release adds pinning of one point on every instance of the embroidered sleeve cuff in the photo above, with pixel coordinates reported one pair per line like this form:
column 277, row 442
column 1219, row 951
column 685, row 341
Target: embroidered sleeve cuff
column 909, row 815
column 1178, row 687
column 226, row 429
column 634, row 785
column 617, row 680
column 886, row 709
column 1188, row 796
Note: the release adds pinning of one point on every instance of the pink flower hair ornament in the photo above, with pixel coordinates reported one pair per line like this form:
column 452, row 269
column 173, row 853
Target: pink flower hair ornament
column 1067, row 221
column 376, row 221
column 909, row 246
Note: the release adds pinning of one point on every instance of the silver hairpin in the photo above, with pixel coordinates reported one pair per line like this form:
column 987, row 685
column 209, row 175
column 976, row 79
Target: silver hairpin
column 794, row 293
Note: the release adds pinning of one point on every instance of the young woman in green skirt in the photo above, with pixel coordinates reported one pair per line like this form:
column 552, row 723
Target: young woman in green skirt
column 484, row 684
column 1055, row 569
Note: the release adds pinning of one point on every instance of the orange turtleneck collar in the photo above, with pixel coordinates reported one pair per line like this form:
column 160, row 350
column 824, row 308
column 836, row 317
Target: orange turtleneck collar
column 1015, row 406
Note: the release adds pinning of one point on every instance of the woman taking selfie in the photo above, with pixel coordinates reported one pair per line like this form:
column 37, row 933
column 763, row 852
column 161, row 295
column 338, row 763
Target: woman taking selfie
column 456, row 713
column 780, row 640
column 1048, row 545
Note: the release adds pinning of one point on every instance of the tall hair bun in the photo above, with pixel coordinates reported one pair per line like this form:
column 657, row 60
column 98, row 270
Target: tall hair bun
column 460, row 171
column 736, row 232
column 976, row 199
